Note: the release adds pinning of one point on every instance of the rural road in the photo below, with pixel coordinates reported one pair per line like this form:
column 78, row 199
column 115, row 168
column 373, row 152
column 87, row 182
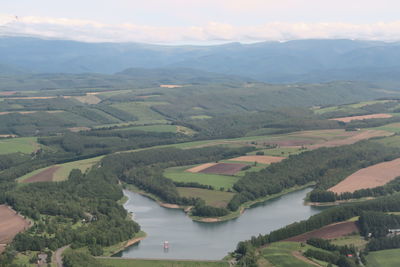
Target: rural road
column 58, row 255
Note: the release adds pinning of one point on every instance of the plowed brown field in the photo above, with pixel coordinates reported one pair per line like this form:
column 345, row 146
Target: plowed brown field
column 44, row 176
column 330, row 231
column 200, row 167
column 10, row 224
column 224, row 168
column 370, row 177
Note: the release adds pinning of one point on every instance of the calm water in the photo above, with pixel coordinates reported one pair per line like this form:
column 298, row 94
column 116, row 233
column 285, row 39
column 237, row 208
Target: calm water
column 194, row 240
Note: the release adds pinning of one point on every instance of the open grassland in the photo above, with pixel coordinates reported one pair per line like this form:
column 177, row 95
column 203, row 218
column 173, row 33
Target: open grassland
column 363, row 117
column 330, row 231
column 279, row 151
column 179, row 174
column 349, row 107
column 24, row 145
column 200, row 117
column 162, row 128
column 356, row 240
column 259, row 159
column 287, row 254
column 392, row 127
column 370, row 177
column 120, row 262
column 11, row 224
column 384, row 258
column 142, row 110
column 212, row 197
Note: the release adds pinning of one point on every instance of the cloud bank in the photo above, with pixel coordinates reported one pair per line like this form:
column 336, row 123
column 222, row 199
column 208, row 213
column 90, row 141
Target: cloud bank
column 212, row 32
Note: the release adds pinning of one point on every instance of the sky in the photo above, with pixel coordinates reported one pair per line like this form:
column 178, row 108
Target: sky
column 201, row 21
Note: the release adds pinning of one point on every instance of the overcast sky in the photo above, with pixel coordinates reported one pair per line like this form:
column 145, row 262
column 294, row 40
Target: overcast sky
column 201, row 21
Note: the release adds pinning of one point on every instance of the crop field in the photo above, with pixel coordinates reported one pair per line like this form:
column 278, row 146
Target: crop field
column 213, row 198
column 179, row 174
column 259, row 159
column 224, row 168
column 59, row 172
column 23, row 144
column 356, row 240
column 386, row 258
column 287, row 254
column 10, row 224
column 120, row 262
column 370, row 177
column 201, row 167
column 330, row 231
column 162, row 128
column 363, row 117
column 349, row 107
column 392, row 127
column 142, row 110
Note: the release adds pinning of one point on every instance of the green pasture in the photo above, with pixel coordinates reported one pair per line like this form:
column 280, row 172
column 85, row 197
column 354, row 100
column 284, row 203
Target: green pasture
column 179, row 174
column 384, row 258
column 142, row 110
column 213, row 198
column 23, row 144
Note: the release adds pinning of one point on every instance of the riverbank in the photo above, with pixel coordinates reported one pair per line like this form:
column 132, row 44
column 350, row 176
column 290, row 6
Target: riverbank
column 112, row 250
column 337, row 202
column 230, row 216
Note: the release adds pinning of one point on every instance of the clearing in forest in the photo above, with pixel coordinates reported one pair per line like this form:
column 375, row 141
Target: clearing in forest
column 370, row 177
column 363, row 117
column 224, row 168
column 259, row 159
column 11, row 223
column 330, row 231
column 211, row 197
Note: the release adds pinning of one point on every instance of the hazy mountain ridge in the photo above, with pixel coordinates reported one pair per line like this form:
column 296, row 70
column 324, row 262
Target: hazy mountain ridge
column 294, row 61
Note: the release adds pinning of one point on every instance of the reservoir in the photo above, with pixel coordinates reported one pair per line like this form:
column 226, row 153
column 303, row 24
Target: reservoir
column 212, row 241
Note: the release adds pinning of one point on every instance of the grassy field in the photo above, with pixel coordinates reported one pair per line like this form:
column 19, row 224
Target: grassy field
column 384, row 258
column 355, row 240
column 350, row 107
column 62, row 173
column 142, row 111
column 392, row 127
column 279, row 254
column 23, row 144
column 212, row 197
column 178, row 174
column 119, row 262
column 391, row 141
column 163, row 128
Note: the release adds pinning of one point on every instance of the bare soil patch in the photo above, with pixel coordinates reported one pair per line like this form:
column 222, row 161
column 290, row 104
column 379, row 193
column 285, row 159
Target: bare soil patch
column 78, row 129
column 330, row 231
column 11, row 223
column 88, row 99
column 44, row 176
column 364, row 117
column 224, row 168
column 170, row 85
column 370, row 177
column 259, row 159
column 7, row 93
column 200, row 167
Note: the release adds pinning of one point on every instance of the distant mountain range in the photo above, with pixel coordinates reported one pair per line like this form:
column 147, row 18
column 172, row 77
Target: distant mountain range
column 294, row 61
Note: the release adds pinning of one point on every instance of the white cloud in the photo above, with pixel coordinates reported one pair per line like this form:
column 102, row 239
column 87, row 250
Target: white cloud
column 92, row 31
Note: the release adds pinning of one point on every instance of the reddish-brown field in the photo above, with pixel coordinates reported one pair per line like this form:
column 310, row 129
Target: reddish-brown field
column 370, row 177
column 10, row 224
column 200, row 167
column 330, row 231
column 7, row 93
column 44, row 176
column 364, row 117
column 259, row 159
column 224, row 168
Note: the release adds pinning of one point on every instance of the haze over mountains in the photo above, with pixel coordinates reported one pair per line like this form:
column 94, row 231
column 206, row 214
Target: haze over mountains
column 274, row 62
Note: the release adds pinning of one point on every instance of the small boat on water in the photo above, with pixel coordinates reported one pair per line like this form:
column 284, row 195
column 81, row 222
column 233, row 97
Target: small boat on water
column 166, row 245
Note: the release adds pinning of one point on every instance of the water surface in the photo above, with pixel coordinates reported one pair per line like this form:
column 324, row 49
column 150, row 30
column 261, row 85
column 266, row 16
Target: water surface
column 195, row 240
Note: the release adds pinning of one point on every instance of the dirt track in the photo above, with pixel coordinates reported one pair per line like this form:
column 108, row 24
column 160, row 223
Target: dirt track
column 330, row 231
column 370, row 177
column 10, row 224
column 44, row 176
